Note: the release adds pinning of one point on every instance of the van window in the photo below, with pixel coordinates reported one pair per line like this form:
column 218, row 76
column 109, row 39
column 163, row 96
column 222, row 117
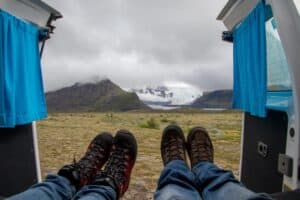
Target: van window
column 277, row 66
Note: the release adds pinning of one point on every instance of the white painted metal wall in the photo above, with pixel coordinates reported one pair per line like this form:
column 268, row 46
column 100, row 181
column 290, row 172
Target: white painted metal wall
column 238, row 12
column 287, row 17
column 25, row 10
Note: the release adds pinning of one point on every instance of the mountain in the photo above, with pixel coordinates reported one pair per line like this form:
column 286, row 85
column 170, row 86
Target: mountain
column 214, row 99
column 168, row 95
column 101, row 96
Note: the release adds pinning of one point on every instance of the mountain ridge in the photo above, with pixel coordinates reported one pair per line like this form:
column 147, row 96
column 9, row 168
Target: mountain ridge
column 88, row 97
column 214, row 99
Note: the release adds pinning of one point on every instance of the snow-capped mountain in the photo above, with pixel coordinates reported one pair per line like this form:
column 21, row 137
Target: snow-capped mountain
column 168, row 95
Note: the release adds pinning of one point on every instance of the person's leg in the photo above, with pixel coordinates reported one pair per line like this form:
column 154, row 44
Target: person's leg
column 212, row 182
column 72, row 177
column 55, row 187
column 176, row 180
column 216, row 183
column 96, row 192
column 113, row 181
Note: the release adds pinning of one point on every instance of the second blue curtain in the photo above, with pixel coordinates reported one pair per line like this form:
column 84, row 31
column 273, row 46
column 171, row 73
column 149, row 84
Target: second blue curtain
column 250, row 65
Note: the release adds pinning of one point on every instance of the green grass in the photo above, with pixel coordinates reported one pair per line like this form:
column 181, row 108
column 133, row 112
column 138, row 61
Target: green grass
column 64, row 136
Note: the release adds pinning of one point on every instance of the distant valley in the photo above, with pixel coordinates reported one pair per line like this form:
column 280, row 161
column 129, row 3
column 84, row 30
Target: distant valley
column 164, row 97
column 168, row 96
column 105, row 96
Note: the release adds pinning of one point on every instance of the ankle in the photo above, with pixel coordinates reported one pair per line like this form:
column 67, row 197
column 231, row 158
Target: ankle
column 104, row 180
column 70, row 173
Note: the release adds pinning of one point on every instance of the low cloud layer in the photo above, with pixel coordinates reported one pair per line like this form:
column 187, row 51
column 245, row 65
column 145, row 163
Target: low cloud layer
column 137, row 43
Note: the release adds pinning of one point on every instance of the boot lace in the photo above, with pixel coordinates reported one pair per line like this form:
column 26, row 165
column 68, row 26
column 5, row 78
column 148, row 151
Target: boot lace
column 201, row 150
column 173, row 148
column 88, row 165
column 117, row 165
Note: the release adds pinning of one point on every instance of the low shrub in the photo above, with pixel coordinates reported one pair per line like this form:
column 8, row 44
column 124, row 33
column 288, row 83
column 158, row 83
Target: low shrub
column 164, row 120
column 151, row 123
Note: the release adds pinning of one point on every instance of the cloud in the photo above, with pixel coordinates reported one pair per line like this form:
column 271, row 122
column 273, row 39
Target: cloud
column 137, row 43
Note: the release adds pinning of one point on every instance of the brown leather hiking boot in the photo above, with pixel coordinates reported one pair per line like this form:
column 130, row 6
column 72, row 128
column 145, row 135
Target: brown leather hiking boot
column 120, row 163
column 199, row 146
column 172, row 144
column 83, row 172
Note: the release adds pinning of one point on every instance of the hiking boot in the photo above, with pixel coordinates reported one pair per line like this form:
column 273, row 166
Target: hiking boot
column 172, row 144
column 82, row 172
column 120, row 163
column 199, row 146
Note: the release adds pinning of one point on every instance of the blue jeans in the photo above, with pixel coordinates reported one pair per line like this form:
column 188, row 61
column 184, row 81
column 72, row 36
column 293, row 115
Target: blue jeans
column 177, row 181
column 204, row 181
column 59, row 188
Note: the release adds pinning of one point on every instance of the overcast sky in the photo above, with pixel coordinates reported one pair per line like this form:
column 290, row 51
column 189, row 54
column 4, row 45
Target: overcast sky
column 137, row 43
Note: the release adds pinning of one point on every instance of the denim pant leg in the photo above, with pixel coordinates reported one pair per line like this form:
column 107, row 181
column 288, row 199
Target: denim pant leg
column 96, row 192
column 176, row 182
column 215, row 183
column 55, row 187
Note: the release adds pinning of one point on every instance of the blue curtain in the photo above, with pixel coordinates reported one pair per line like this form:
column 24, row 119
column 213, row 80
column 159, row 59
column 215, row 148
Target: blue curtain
column 250, row 65
column 22, row 97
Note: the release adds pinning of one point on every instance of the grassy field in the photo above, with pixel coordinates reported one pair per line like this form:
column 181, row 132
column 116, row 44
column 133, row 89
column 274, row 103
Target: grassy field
column 65, row 136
